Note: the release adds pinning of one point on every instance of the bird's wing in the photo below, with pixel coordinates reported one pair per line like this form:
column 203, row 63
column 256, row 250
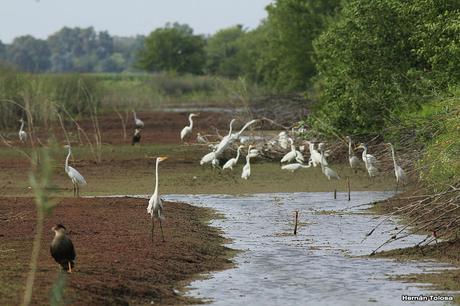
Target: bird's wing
column 77, row 176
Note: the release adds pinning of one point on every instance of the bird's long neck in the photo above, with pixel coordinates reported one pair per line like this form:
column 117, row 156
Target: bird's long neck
column 365, row 153
column 248, row 161
column 135, row 117
column 246, row 126
column 22, row 126
column 322, row 160
column 230, row 129
column 67, row 161
column 238, row 154
column 350, row 152
column 156, row 178
column 191, row 121
column 393, row 156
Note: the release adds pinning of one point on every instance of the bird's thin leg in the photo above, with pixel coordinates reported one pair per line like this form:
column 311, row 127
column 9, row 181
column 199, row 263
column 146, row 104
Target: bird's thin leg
column 162, row 235
column 74, row 190
column 153, row 228
column 78, row 190
column 397, row 184
column 70, row 267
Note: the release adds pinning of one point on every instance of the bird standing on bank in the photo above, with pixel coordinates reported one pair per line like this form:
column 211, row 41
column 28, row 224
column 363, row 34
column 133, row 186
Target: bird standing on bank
column 232, row 161
column 399, row 172
column 186, row 131
column 136, row 137
column 22, row 133
column 247, row 167
column 138, row 123
column 328, row 172
column 155, row 208
column 62, row 248
column 353, row 160
column 369, row 161
column 293, row 154
column 75, row 176
column 296, row 166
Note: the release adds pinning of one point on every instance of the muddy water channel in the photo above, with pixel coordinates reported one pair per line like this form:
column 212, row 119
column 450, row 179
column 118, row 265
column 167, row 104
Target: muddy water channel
column 319, row 266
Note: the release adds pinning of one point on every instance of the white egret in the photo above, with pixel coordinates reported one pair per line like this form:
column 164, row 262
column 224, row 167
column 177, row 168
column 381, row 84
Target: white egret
column 328, row 172
column 75, row 176
column 22, row 133
column 247, row 167
column 232, row 161
column 188, row 129
column 208, row 158
column 399, row 172
column 353, row 160
column 138, row 123
column 223, row 144
column 283, row 140
column 315, row 156
column 369, row 161
column 155, row 208
column 367, row 157
column 254, row 153
column 248, row 124
column 294, row 167
column 293, row 154
column 200, row 138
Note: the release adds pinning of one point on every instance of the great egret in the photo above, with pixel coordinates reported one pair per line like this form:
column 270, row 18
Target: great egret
column 399, row 172
column 293, row 154
column 248, row 124
column 223, row 144
column 253, row 153
column 232, row 161
column 22, row 133
column 188, row 129
column 370, row 167
column 369, row 161
column 294, row 167
column 155, row 208
column 354, row 161
column 138, row 123
column 208, row 158
column 247, row 167
column 75, row 176
column 62, row 248
column 283, row 140
column 315, row 156
column 367, row 157
column 200, row 138
column 136, row 137
column 328, row 172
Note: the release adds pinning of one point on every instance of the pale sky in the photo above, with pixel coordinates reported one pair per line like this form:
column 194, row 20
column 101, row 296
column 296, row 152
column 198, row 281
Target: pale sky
column 41, row 18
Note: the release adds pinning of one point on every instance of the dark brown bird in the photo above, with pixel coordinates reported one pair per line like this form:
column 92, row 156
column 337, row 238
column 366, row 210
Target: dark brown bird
column 62, row 248
column 136, row 137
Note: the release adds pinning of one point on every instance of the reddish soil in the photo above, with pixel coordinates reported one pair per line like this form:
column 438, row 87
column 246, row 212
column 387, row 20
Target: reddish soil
column 117, row 264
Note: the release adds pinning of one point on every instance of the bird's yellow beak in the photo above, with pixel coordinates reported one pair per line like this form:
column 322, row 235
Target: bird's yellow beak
column 162, row 158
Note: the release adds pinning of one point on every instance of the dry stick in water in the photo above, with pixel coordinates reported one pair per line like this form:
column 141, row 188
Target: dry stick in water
column 296, row 221
column 349, row 189
column 335, row 194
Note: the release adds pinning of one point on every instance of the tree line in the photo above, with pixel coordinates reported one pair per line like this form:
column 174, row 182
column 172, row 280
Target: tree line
column 364, row 62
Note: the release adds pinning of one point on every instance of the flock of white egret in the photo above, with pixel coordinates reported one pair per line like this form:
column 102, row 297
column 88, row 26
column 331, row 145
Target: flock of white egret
column 294, row 159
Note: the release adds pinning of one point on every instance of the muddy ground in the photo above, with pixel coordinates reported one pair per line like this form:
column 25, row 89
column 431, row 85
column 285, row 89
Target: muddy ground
column 117, row 264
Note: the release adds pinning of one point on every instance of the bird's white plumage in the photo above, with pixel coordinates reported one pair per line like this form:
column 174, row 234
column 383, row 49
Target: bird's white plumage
column 294, row 167
column 75, row 176
column 328, row 172
column 188, row 129
column 401, row 176
column 247, row 167
column 315, row 156
column 22, row 133
column 155, row 207
column 232, row 161
column 138, row 123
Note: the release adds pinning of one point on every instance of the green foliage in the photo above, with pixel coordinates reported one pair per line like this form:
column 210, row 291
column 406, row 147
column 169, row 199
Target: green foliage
column 380, row 58
column 292, row 27
column 440, row 165
column 29, row 54
column 173, row 48
column 222, row 52
column 58, row 290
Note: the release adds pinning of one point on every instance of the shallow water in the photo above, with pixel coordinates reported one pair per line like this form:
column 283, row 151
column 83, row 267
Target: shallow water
column 318, row 266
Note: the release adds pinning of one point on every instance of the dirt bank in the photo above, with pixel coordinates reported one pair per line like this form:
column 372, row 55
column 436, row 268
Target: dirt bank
column 446, row 251
column 117, row 264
